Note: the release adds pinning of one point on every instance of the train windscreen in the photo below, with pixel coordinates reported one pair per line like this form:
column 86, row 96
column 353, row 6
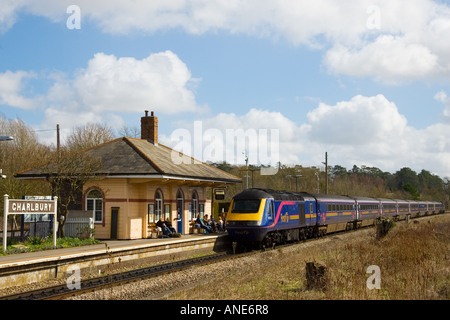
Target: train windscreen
column 245, row 206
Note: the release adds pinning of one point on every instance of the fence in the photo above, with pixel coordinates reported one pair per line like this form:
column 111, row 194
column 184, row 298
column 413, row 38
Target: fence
column 73, row 228
column 79, row 227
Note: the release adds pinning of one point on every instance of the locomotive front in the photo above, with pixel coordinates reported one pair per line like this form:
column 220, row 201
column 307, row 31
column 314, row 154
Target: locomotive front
column 250, row 213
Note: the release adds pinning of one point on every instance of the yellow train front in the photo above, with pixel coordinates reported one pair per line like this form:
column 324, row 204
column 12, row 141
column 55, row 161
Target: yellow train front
column 264, row 216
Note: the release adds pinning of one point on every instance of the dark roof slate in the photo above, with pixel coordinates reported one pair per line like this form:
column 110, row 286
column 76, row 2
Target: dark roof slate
column 137, row 157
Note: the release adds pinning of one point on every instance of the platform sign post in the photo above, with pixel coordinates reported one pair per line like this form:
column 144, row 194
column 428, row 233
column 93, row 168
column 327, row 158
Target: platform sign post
column 29, row 207
column 5, row 222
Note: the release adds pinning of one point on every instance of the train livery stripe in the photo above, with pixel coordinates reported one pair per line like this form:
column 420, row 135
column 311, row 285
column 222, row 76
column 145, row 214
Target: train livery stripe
column 277, row 217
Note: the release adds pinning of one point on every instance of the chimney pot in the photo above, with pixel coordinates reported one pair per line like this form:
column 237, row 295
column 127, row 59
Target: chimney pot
column 149, row 127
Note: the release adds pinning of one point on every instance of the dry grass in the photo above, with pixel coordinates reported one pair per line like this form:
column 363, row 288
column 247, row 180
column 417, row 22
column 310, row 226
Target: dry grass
column 414, row 260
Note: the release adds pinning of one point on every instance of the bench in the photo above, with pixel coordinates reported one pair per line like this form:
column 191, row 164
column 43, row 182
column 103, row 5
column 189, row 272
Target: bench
column 193, row 228
column 152, row 231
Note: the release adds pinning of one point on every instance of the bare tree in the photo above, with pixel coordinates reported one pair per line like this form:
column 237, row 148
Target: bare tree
column 132, row 132
column 88, row 136
column 67, row 175
column 22, row 153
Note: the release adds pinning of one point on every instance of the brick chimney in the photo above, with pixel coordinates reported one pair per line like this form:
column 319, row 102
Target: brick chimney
column 149, row 127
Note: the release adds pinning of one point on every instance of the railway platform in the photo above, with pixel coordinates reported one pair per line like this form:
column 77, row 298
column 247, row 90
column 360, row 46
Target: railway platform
column 30, row 267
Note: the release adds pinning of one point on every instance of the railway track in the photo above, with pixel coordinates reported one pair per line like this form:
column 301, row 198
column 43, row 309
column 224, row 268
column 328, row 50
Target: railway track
column 90, row 285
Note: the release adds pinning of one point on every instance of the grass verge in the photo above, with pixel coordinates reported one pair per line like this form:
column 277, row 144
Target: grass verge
column 413, row 260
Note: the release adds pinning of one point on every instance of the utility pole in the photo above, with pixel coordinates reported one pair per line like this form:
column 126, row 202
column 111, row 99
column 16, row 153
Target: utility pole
column 326, row 172
column 58, row 143
column 246, row 165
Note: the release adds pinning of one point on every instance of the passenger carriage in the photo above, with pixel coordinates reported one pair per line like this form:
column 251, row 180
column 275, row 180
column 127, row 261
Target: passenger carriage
column 388, row 208
column 403, row 210
column 368, row 211
column 335, row 213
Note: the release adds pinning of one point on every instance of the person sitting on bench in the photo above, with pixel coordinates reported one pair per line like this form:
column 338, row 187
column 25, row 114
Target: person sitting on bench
column 199, row 223
column 166, row 231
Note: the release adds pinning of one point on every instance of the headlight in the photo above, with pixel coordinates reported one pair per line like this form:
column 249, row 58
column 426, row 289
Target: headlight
column 243, row 223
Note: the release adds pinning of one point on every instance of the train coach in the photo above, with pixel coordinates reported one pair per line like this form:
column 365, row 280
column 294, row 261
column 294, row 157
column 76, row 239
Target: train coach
column 264, row 217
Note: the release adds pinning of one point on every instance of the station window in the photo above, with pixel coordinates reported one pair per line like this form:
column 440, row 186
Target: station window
column 94, row 203
column 194, row 208
column 158, row 206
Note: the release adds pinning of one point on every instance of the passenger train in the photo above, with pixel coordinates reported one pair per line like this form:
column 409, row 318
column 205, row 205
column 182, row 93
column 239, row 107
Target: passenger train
column 264, row 217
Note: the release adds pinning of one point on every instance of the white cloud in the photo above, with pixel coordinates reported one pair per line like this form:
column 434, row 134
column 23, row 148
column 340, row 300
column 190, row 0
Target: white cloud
column 8, row 13
column 442, row 97
column 371, row 131
column 363, row 131
column 11, row 87
column 360, row 121
column 107, row 88
column 265, row 136
column 391, row 41
column 388, row 59
column 129, row 85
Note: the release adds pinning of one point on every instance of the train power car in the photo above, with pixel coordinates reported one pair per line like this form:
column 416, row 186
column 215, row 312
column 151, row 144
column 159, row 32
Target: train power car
column 258, row 216
column 264, row 217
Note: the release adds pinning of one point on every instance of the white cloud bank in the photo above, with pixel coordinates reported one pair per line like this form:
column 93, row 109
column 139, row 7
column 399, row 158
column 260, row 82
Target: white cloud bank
column 108, row 85
column 390, row 41
column 363, row 131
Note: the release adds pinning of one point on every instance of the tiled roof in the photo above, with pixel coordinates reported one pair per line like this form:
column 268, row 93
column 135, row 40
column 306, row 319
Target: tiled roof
column 130, row 157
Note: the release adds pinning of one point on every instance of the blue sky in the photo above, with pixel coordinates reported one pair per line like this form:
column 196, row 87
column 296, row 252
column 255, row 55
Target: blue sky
column 366, row 81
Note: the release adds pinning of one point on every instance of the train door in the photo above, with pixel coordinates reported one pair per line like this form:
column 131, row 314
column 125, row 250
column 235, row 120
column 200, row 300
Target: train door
column 269, row 211
column 301, row 213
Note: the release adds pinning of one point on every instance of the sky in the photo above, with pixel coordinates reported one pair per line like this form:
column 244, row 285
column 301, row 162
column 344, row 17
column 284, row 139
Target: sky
column 367, row 81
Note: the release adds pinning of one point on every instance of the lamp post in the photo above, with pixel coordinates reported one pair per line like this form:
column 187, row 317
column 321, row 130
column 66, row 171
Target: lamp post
column 4, row 138
column 5, row 222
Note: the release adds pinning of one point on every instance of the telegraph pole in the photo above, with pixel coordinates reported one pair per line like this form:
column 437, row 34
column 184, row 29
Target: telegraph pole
column 326, row 172
column 58, row 142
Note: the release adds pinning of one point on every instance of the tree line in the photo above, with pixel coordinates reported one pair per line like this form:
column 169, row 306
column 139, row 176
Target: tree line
column 358, row 181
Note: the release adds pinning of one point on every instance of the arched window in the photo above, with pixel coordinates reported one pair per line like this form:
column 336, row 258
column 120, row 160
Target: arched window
column 94, row 203
column 158, row 206
column 194, row 205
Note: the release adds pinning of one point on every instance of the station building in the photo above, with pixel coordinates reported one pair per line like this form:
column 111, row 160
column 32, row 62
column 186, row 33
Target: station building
column 143, row 181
